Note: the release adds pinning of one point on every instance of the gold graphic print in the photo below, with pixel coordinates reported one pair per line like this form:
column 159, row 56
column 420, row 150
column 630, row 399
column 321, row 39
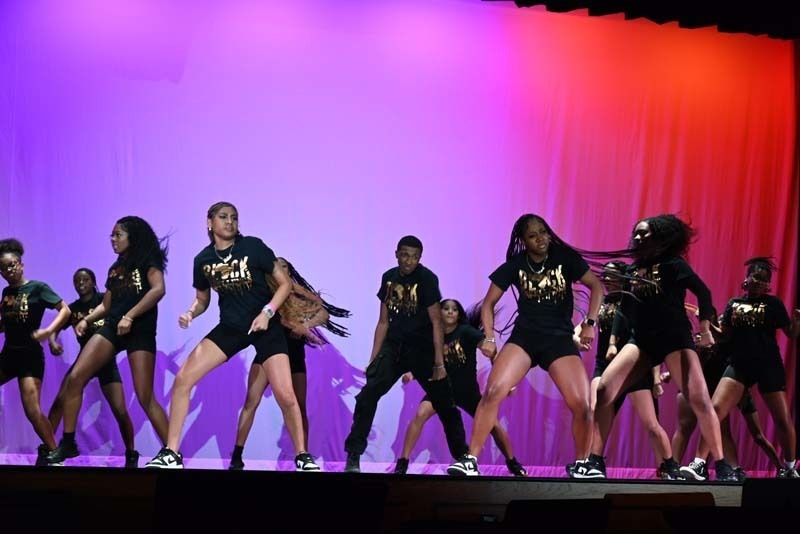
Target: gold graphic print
column 744, row 314
column 123, row 282
column 454, row 353
column 648, row 282
column 606, row 315
column 401, row 299
column 233, row 277
column 15, row 308
column 79, row 316
column 549, row 285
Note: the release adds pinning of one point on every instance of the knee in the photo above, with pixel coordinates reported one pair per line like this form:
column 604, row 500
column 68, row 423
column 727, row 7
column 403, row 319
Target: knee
column 285, row 399
column 604, row 398
column 145, row 396
column 495, row 392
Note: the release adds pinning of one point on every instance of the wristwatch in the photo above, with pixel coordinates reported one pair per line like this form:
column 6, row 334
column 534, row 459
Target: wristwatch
column 590, row 322
column 269, row 311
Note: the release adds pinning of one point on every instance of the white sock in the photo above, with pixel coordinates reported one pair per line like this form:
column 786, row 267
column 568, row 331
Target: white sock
column 699, row 461
column 790, row 463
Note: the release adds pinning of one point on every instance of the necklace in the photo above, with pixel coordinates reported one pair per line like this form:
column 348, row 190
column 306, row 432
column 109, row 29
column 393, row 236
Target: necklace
column 541, row 268
column 227, row 258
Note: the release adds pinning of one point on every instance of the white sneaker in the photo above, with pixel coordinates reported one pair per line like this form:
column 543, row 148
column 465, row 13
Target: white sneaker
column 166, row 459
column 466, row 466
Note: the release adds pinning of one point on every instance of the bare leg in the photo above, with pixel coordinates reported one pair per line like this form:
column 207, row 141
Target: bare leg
column 279, row 376
column 300, row 385
column 143, row 364
column 30, row 390
column 570, row 377
column 256, row 385
column 424, row 412
column 115, row 395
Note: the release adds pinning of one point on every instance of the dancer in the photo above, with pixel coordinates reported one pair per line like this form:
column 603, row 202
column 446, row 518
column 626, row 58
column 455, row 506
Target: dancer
column 235, row 266
column 300, row 314
column 134, row 286
column 89, row 298
column 751, row 322
column 462, row 338
column 22, row 357
column 660, row 333
column 408, row 337
column 543, row 268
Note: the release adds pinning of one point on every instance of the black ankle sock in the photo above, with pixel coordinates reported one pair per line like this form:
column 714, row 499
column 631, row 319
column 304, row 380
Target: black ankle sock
column 68, row 437
column 237, row 452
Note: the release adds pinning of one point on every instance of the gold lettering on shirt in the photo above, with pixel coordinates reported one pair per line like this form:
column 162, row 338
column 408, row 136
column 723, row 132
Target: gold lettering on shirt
column 606, row 315
column 79, row 316
column 15, row 308
column 549, row 285
column 401, row 299
column 233, row 277
column 745, row 314
column 647, row 282
column 123, row 282
column 454, row 353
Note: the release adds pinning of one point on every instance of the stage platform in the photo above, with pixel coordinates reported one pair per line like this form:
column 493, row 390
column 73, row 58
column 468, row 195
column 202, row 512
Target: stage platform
column 92, row 499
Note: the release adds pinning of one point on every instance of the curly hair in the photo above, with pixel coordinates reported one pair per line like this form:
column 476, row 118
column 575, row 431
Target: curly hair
column 761, row 263
column 144, row 246
column 671, row 237
column 12, row 246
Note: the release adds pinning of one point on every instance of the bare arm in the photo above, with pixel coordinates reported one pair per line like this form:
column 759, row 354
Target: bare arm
column 261, row 322
column 380, row 331
column 149, row 300
column 98, row 313
column 54, row 327
column 595, row 300
column 200, row 304
column 793, row 329
column 493, row 295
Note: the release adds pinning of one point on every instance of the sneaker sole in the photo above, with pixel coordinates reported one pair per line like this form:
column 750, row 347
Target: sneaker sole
column 589, row 476
column 457, row 472
column 163, row 467
column 688, row 474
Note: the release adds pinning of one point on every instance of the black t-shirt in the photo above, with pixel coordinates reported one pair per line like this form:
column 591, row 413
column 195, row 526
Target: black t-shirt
column 80, row 310
column 611, row 320
column 660, row 291
column 22, row 309
column 459, row 353
column 751, row 324
column 239, row 276
column 407, row 298
column 545, row 301
column 128, row 287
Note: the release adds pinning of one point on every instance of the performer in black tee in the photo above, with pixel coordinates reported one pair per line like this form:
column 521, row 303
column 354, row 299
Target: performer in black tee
column 751, row 322
column 22, row 357
column 660, row 331
column 89, row 298
column 542, row 267
column 462, row 336
column 408, row 337
column 134, row 286
column 300, row 314
column 235, row 266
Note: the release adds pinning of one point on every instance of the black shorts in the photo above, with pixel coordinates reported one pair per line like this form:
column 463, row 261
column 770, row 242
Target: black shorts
column 768, row 373
column 543, row 349
column 644, row 383
column 22, row 362
column 108, row 374
column 142, row 337
column 656, row 346
column 297, row 352
column 267, row 342
column 465, row 396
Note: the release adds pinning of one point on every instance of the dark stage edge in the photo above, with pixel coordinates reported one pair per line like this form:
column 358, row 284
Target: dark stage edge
column 108, row 500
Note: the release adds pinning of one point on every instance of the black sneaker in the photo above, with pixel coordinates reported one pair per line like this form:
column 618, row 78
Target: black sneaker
column 62, row 452
column 41, row 455
column 572, row 468
column 695, row 471
column 788, row 472
column 352, row 465
column 166, row 459
column 515, row 468
column 592, row 467
column 724, row 472
column 305, row 462
column 236, row 464
column 131, row 459
column 466, row 466
column 740, row 473
column 669, row 470
column 401, row 467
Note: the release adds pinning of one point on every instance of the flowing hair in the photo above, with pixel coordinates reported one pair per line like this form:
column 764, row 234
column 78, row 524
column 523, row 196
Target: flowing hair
column 144, row 246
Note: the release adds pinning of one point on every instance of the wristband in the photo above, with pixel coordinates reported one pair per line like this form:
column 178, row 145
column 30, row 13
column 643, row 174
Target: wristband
column 127, row 318
column 269, row 311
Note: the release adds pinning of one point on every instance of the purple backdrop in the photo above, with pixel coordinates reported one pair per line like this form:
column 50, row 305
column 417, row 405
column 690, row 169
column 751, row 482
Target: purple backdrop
column 338, row 126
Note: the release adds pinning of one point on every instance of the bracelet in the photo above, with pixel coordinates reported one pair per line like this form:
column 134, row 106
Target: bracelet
column 612, row 344
column 438, row 366
column 267, row 309
column 489, row 340
column 127, row 318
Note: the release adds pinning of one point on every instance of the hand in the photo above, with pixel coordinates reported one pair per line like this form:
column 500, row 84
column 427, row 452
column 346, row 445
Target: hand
column 124, row 326
column 658, row 390
column 81, row 327
column 489, row 349
column 587, row 334
column 56, row 349
column 611, row 352
column 439, row 373
column 185, row 319
column 260, row 323
column 705, row 339
column 580, row 346
column 40, row 335
column 407, row 377
column 666, row 377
